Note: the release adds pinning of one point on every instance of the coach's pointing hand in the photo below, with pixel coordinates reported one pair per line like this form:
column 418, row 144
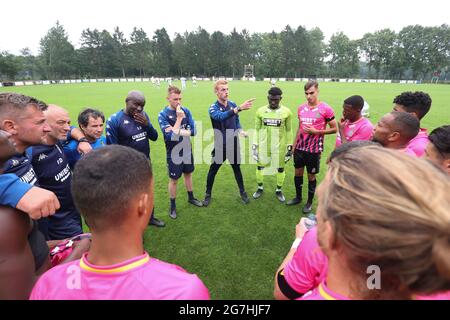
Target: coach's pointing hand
column 246, row 105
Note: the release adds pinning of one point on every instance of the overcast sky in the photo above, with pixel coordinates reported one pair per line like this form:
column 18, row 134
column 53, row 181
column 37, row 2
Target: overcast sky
column 24, row 23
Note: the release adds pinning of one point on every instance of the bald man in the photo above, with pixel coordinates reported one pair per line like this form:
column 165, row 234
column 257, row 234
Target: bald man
column 54, row 174
column 131, row 127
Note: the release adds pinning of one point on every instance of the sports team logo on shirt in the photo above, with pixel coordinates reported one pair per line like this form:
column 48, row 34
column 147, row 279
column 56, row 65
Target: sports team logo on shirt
column 318, row 115
column 272, row 122
column 42, row 156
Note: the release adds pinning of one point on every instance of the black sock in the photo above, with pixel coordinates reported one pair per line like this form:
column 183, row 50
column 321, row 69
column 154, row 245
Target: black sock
column 190, row 195
column 311, row 190
column 238, row 177
column 172, row 204
column 298, row 186
column 213, row 169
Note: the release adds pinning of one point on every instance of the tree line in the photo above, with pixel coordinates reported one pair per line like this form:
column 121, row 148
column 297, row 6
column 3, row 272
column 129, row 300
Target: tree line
column 416, row 52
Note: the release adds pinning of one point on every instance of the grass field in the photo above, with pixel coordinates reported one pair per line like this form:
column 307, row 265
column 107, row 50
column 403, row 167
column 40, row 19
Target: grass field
column 234, row 248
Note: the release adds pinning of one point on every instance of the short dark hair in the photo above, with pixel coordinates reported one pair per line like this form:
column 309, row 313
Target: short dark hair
column 345, row 147
column 14, row 102
column 357, row 102
column 83, row 117
column 311, row 83
column 440, row 138
column 418, row 102
column 406, row 124
column 173, row 89
column 106, row 181
column 275, row 91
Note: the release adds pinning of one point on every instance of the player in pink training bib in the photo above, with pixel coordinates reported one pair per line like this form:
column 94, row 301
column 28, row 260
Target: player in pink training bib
column 353, row 126
column 361, row 227
column 138, row 278
column 314, row 117
column 418, row 104
column 113, row 189
column 304, row 268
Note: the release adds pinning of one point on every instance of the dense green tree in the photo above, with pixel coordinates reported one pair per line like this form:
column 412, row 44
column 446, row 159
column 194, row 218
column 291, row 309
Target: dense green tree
column 141, row 52
column 378, row 47
column 56, row 53
column 10, row 65
column 162, row 53
column 121, row 51
column 218, row 63
column 416, row 52
column 343, row 56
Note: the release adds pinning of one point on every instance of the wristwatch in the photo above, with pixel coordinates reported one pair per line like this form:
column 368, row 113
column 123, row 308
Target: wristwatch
column 83, row 140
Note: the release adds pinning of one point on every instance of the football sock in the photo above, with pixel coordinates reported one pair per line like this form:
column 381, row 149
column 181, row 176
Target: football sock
column 298, row 186
column 311, row 190
column 238, row 177
column 259, row 175
column 280, row 178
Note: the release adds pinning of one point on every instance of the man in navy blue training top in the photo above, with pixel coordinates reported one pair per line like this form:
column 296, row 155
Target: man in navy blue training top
column 177, row 125
column 54, row 174
column 227, row 128
column 131, row 127
column 23, row 122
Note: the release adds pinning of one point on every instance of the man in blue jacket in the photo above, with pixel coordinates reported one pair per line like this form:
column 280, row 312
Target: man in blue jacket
column 91, row 123
column 227, row 129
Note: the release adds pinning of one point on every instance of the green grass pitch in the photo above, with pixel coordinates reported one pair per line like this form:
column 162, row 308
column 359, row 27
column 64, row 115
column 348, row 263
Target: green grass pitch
column 234, row 248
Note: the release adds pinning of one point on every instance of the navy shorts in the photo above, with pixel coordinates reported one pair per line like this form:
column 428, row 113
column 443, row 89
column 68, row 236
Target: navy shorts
column 175, row 170
column 307, row 159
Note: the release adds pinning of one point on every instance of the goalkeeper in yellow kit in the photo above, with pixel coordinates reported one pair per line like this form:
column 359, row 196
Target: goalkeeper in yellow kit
column 272, row 147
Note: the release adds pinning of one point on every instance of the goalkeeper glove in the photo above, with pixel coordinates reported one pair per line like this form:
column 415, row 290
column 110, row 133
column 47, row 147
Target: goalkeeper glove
column 255, row 152
column 288, row 155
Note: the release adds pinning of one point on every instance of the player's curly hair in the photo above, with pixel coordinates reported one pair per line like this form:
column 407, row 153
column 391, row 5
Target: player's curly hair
column 418, row 102
column 391, row 210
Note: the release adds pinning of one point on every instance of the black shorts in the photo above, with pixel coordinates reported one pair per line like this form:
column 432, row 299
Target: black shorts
column 175, row 170
column 308, row 159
